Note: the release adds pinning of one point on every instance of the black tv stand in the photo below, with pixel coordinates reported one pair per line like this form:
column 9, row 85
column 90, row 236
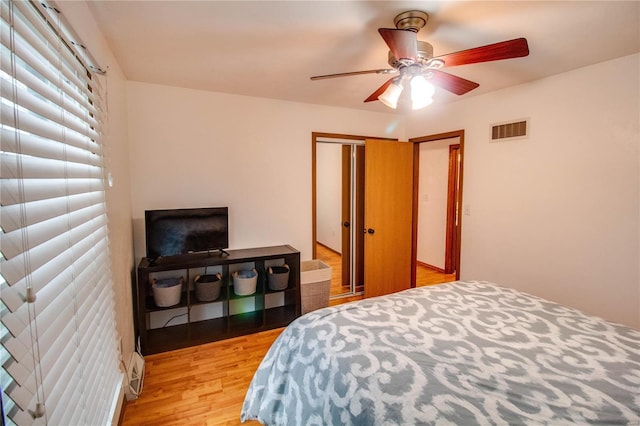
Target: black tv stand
column 230, row 315
column 220, row 251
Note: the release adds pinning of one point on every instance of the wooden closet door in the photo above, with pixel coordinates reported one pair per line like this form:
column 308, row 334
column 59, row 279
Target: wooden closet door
column 388, row 214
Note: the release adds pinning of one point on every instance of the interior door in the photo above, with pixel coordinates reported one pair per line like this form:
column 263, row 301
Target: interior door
column 388, row 202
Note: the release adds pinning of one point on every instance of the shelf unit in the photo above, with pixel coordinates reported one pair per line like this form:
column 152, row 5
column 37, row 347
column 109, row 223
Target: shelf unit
column 192, row 322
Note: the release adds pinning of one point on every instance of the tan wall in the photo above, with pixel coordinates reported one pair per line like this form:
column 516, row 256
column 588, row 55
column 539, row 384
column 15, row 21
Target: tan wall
column 557, row 214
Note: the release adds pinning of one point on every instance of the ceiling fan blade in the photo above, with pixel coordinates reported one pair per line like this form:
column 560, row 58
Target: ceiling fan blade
column 402, row 43
column 379, row 91
column 515, row 48
column 452, row 83
column 347, row 74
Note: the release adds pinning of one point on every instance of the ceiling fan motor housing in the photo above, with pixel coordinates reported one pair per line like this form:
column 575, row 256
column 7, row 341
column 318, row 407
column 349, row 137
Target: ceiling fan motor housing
column 425, row 53
column 412, row 20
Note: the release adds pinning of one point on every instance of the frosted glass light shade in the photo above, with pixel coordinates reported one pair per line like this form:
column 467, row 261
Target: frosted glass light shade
column 421, row 92
column 390, row 96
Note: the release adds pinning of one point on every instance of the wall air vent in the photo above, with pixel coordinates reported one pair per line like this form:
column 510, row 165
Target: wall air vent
column 509, row 131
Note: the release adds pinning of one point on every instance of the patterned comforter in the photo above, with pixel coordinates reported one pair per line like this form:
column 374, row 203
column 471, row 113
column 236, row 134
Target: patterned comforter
column 460, row 353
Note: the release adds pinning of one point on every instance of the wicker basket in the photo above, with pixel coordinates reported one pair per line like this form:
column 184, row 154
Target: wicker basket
column 167, row 291
column 244, row 282
column 207, row 287
column 315, row 284
column 278, row 277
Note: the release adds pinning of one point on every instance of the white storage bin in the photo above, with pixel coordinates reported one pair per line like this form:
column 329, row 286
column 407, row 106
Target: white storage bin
column 167, row 291
column 244, row 282
column 315, row 284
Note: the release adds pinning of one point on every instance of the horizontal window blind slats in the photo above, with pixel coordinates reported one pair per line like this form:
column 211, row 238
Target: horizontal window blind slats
column 36, row 146
column 32, row 58
column 54, row 226
column 46, row 129
column 93, row 319
column 45, row 43
column 31, row 73
column 58, row 269
column 27, row 382
column 86, row 293
column 18, row 371
column 44, row 189
column 14, row 243
column 21, row 360
column 54, row 275
column 47, row 297
column 67, row 402
column 17, row 322
column 39, row 85
column 42, row 35
column 13, row 297
column 50, row 346
column 42, row 210
column 55, row 316
column 19, row 347
column 26, row 392
column 43, row 168
column 13, row 269
column 60, row 114
column 19, row 395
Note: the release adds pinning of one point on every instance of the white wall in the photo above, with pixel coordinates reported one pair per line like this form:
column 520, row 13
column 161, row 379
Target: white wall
column 329, row 195
column 193, row 148
column 117, row 163
column 433, row 185
column 557, row 214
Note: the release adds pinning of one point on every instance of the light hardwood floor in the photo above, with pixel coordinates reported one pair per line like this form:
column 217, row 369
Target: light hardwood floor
column 206, row 384
column 424, row 274
column 201, row 385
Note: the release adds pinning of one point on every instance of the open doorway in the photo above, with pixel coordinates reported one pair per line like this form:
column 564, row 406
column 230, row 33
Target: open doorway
column 438, row 165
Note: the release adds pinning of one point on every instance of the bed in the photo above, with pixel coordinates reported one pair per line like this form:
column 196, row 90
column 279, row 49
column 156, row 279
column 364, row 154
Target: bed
column 457, row 353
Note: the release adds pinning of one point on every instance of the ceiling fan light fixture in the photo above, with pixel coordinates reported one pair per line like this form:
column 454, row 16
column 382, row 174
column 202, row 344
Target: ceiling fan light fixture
column 421, row 92
column 391, row 95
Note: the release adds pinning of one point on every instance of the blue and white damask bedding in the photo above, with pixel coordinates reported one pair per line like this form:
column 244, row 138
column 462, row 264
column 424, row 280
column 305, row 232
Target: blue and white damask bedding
column 461, row 353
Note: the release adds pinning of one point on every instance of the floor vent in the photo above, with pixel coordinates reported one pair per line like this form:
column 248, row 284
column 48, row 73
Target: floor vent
column 513, row 130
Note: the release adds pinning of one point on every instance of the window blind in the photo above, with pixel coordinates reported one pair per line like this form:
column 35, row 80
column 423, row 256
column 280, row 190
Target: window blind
column 59, row 354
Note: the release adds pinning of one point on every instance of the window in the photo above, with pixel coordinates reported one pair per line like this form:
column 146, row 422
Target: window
column 59, row 346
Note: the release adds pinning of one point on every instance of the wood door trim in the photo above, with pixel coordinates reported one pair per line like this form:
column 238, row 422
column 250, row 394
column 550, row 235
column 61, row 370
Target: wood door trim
column 452, row 196
column 345, row 214
column 314, row 138
column 416, row 165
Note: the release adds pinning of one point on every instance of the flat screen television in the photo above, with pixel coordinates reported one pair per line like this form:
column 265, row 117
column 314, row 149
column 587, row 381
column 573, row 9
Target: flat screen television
column 181, row 231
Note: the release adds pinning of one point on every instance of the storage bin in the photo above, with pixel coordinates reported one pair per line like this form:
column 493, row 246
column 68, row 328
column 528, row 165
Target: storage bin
column 244, row 282
column 315, row 284
column 278, row 277
column 207, row 287
column 167, row 291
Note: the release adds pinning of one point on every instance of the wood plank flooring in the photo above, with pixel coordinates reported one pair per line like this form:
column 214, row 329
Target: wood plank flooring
column 206, row 384
column 424, row 274
column 201, row 385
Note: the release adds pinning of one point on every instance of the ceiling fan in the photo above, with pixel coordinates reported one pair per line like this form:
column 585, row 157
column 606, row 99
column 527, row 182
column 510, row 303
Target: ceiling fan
column 413, row 60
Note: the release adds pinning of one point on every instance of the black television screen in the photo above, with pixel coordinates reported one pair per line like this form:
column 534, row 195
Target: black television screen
column 180, row 231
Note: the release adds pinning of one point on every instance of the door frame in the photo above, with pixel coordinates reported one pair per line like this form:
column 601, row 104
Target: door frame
column 314, row 139
column 450, row 264
column 416, row 175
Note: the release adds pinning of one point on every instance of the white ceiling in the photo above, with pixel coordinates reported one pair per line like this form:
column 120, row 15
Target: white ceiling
column 270, row 48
